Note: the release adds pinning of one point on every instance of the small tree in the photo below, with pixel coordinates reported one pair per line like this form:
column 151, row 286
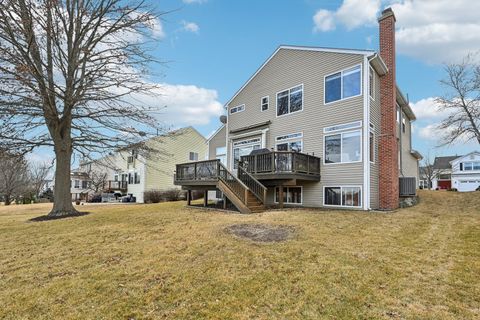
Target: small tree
column 462, row 99
column 14, row 177
column 71, row 71
column 38, row 173
column 98, row 181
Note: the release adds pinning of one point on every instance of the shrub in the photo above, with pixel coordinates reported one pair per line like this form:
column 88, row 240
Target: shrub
column 156, row 196
column 452, row 189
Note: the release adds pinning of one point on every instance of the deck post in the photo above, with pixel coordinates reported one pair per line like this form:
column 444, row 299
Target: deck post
column 280, row 196
column 224, row 202
column 189, row 197
column 205, row 198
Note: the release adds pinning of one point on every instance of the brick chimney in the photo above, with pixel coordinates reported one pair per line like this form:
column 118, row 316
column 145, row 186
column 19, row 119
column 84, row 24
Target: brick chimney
column 388, row 143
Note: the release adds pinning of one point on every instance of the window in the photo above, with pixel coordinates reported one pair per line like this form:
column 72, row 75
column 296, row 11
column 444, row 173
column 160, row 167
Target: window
column 372, row 146
column 404, row 125
column 237, row 109
column 343, row 147
column 398, row 113
column 243, row 148
column 193, row 156
column 290, row 142
column 130, row 178
column 137, row 178
column 372, row 83
column 221, row 154
column 290, row 101
column 84, row 184
column 264, row 103
column 342, row 196
column 469, row 166
column 77, row 184
column 343, row 84
column 292, row 195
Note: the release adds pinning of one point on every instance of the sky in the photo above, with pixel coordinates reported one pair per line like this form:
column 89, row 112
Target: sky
column 211, row 47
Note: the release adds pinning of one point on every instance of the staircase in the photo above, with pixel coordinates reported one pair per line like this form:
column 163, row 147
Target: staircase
column 244, row 191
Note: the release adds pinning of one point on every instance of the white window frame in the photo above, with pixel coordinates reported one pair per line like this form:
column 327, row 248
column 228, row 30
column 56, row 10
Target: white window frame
column 341, row 147
column 398, row 114
column 343, row 126
column 341, row 192
column 275, row 200
column 404, row 125
column 372, row 131
column 238, row 109
column 299, row 137
column 289, row 113
column 341, row 84
column 268, row 103
column 371, row 84
column 76, row 184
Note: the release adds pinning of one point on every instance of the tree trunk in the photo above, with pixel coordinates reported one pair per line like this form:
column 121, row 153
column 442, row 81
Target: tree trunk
column 62, row 198
column 8, row 199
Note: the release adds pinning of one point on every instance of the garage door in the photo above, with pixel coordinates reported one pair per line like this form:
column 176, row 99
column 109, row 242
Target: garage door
column 468, row 185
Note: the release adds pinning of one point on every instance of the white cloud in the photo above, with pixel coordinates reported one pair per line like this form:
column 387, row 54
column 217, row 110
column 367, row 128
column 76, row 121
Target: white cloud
column 323, row 21
column 183, row 105
column 157, row 29
column 428, row 109
column 435, row 31
column 190, row 26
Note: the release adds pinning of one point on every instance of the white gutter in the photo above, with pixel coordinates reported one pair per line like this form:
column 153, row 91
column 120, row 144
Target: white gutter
column 366, row 134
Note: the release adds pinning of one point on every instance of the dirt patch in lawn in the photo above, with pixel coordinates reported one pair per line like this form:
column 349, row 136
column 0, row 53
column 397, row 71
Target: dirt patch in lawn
column 261, row 232
column 48, row 218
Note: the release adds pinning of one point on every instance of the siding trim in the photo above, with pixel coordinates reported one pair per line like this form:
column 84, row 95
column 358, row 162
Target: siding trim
column 366, row 136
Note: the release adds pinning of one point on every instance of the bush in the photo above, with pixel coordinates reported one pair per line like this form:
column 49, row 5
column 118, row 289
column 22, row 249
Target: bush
column 478, row 189
column 452, row 189
column 156, row 196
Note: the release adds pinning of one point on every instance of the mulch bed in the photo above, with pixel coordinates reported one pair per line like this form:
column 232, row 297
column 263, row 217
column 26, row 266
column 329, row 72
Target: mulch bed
column 48, row 218
column 261, row 232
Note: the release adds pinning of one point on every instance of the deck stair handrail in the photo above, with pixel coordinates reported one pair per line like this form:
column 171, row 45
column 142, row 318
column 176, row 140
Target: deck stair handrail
column 255, row 186
column 233, row 183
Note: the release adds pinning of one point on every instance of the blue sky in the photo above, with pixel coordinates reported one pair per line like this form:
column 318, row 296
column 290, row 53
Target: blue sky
column 211, row 47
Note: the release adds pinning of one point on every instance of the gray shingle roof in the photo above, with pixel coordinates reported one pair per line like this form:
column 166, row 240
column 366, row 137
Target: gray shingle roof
column 443, row 162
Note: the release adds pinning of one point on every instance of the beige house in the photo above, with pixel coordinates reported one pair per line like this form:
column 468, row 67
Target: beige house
column 315, row 127
column 133, row 172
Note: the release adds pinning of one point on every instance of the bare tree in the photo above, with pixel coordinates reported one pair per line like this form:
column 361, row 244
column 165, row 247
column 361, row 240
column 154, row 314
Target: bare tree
column 462, row 99
column 427, row 170
column 72, row 72
column 38, row 173
column 14, row 180
column 98, row 181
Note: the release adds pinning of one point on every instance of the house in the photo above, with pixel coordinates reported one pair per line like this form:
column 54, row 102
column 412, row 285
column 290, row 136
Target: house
column 315, row 127
column 442, row 172
column 134, row 171
column 465, row 172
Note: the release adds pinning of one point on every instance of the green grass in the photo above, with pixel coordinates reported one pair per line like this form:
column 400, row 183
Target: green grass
column 166, row 261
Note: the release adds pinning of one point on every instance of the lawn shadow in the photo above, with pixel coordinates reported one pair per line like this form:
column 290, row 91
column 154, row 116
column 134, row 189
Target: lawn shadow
column 262, row 232
column 49, row 218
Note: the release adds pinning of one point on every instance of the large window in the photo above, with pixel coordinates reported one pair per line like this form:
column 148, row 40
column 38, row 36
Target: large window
column 243, row 148
column 343, row 147
column 290, row 101
column 291, row 195
column 343, row 196
column 289, row 142
column 343, row 84
column 237, row 109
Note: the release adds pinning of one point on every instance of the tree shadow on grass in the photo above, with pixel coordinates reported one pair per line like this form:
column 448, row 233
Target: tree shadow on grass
column 48, row 218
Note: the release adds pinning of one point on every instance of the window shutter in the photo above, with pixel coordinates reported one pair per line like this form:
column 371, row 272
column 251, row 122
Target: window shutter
column 461, row 166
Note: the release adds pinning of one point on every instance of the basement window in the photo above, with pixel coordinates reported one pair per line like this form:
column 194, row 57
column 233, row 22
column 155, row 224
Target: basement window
column 291, row 195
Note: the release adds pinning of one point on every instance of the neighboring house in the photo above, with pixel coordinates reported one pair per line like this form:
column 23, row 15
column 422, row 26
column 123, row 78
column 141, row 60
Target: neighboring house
column 466, row 172
column 79, row 185
column 315, row 127
column 132, row 172
column 442, row 169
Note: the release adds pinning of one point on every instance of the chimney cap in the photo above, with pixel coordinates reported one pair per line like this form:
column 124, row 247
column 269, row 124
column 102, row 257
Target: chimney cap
column 388, row 12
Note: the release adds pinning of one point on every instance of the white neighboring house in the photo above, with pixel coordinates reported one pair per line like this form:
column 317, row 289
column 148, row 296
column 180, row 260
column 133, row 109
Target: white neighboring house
column 466, row 172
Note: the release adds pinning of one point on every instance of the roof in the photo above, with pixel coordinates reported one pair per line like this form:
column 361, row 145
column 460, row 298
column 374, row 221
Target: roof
column 404, row 104
column 464, row 156
column 215, row 133
column 443, row 162
column 368, row 53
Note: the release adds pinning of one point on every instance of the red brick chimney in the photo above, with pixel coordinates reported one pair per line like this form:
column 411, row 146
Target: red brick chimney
column 388, row 143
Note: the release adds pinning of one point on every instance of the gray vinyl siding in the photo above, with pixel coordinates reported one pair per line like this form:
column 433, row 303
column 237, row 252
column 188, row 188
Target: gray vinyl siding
column 375, row 118
column 217, row 141
column 289, row 68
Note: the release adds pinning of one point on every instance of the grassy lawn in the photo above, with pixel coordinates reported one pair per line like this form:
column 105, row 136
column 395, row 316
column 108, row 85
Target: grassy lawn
column 166, row 261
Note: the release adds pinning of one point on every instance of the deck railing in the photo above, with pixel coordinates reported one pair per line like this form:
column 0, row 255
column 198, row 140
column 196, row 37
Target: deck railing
column 258, row 189
column 117, row 185
column 282, row 162
column 198, row 171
